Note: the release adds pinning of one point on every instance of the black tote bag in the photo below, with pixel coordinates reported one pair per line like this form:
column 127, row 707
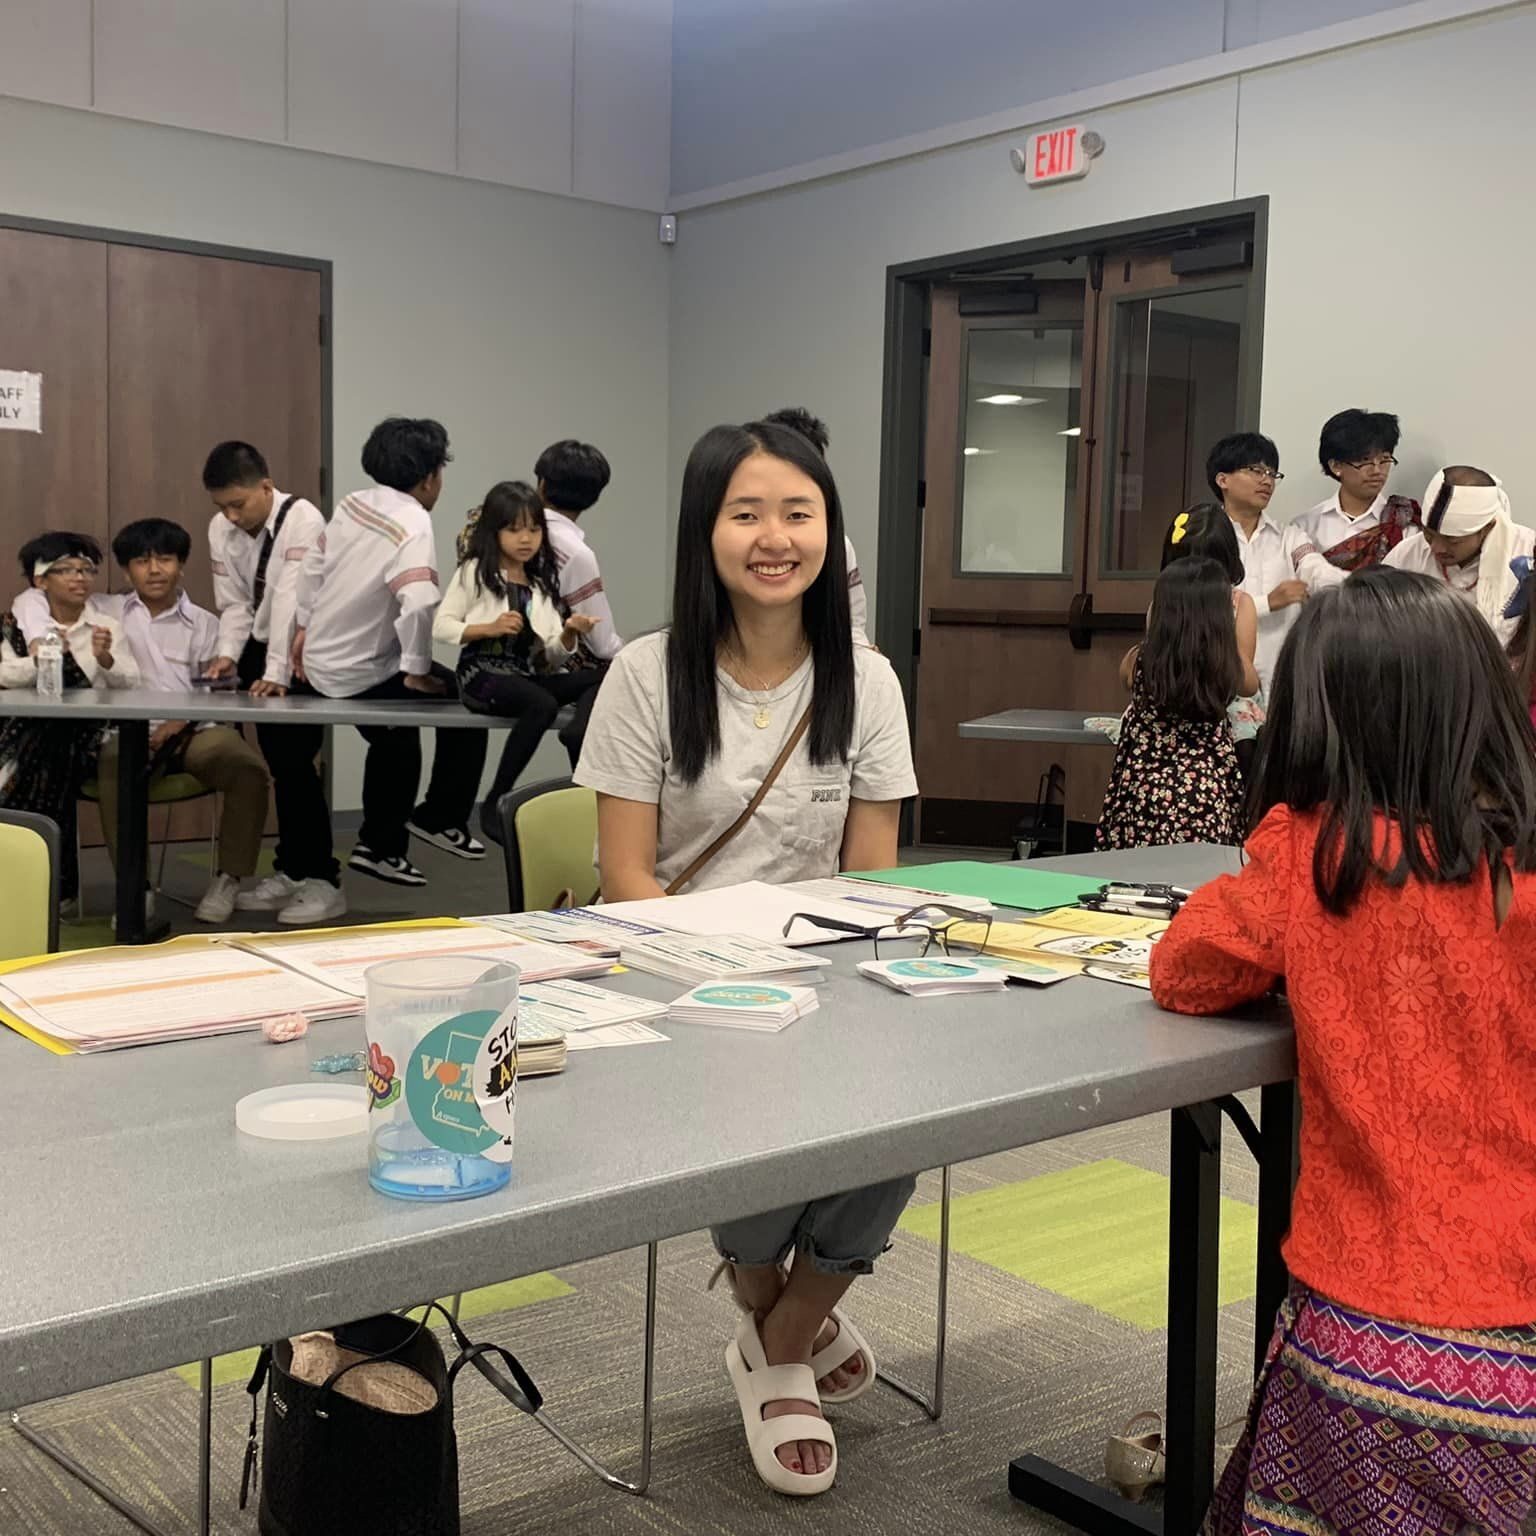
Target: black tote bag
column 331, row 1464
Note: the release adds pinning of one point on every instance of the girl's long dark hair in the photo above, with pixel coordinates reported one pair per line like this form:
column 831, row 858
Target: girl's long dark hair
column 701, row 608
column 1392, row 696
column 507, row 503
column 1204, row 532
column 1189, row 661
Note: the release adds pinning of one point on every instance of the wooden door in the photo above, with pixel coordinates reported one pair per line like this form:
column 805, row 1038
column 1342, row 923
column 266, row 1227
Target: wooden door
column 1009, row 476
column 205, row 348
column 1061, row 440
column 53, row 321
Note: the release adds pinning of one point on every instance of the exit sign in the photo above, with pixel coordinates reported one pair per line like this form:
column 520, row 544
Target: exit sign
column 1058, row 154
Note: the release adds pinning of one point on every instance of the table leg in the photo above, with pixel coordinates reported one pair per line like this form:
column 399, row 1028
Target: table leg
column 1194, row 1236
column 1279, row 1158
column 133, row 835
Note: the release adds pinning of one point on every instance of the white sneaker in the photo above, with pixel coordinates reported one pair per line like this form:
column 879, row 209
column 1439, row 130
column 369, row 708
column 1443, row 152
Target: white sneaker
column 269, row 895
column 218, row 903
column 315, row 901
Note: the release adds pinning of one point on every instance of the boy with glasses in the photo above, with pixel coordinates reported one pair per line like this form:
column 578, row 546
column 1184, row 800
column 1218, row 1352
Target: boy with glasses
column 1280, row 565
column 1359, row 525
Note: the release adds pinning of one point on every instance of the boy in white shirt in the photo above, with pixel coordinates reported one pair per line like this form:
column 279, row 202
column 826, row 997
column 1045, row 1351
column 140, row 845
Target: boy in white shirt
column 44, row 762
column 571, row 476
column 367, row 594
column 258, row 538
column 800, row 420
column 1359, row 525
column 1468, row 541
column 173, row 641
column 1280, row 566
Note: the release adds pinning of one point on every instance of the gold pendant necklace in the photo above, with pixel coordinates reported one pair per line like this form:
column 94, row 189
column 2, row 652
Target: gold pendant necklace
column 763, row 718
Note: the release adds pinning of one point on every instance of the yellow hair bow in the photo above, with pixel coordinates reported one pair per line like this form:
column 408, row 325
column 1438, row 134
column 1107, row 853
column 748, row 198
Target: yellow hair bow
column 1180, row 527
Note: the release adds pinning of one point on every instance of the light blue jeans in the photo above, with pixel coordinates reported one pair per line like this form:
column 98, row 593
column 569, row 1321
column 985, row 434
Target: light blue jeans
column 839, row 1235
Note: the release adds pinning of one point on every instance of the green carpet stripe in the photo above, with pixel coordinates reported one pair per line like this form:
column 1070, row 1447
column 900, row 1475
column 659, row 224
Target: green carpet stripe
column 1097, row 1234
column 506, row 1297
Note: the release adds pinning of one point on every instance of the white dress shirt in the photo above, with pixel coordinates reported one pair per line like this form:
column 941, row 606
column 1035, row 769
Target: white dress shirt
column 1414, row 554
column 236, row 554
column 465, row 603
column 173, row 647
column 1328, row 524
column 21, row 671
column 1274, row 554
column 367, row 593
column 581, row 582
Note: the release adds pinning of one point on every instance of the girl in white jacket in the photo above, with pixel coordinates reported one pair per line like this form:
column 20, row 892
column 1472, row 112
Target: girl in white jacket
column 522, row 646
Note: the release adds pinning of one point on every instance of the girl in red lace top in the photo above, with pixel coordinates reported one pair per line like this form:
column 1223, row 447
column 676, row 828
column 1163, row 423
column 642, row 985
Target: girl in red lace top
column 1401, row 1387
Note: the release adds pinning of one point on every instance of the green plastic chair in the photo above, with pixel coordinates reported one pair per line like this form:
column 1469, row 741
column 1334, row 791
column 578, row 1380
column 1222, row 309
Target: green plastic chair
column 168, row 789
column 548, row 832
column 29, row 873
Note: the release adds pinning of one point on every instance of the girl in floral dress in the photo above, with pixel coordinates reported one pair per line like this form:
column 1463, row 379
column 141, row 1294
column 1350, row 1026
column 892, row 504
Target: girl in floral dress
column 1176, row 778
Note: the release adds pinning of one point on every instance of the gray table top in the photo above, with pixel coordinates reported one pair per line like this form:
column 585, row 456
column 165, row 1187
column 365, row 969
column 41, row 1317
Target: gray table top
column 232, row 708
column 1058, row 725
column 142, row 1230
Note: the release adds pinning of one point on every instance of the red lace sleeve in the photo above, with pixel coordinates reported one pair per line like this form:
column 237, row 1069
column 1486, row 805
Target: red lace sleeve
column 1228, row 944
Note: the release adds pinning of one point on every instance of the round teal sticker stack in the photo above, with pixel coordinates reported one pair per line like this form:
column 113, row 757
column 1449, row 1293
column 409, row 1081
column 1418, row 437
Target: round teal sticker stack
column 440, row 1085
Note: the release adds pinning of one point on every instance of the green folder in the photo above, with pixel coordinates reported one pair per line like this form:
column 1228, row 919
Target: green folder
column 1004, row 885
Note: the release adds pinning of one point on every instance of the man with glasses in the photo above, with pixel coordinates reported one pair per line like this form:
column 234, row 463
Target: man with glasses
column 1359, row 525
column 1280, row 564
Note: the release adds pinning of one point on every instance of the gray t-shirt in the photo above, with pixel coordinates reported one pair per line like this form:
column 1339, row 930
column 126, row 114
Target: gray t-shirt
column 797, row 832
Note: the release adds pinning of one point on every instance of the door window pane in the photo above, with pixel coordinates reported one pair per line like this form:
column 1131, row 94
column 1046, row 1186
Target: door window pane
column 1175, row 386
column 1019, row 431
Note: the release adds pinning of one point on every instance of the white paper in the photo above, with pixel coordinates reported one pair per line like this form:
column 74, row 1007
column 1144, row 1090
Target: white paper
column 575, row 925
column 341, row 959
column 613, row 1034
column 753, row 909
column 21, row 401
column 573, row 1006
column 885, row 901
column 141, row 998
column 719, row 957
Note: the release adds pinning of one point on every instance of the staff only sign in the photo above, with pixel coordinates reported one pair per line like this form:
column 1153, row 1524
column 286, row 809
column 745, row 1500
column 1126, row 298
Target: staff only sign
column 21, row 401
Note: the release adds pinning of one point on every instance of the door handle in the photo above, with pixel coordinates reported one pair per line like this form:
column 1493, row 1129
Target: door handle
column 1083, row 623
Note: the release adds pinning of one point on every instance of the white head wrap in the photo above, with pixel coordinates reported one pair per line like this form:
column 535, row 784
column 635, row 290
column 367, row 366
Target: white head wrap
column 1459, row 510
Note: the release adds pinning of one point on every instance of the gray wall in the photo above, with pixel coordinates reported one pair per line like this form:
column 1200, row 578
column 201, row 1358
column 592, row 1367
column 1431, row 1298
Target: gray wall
column 514, row 317
column 762, row 87
column 1398, row 255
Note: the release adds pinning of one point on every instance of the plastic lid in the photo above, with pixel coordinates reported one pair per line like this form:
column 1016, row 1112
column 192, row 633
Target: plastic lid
column 304, row 1112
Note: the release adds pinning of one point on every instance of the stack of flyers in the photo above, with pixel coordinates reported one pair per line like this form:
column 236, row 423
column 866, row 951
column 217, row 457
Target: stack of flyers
column 696, row 958
column 744, row 1005
column 1126, row 960
column 934, row 976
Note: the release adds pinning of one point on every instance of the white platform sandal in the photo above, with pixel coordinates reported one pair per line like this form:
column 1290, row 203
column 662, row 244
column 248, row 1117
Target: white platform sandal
column 757, row 1384
column 848, row 1343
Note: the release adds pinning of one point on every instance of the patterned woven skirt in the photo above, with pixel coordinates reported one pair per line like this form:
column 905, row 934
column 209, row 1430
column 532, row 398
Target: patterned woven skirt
column 1362, row 1427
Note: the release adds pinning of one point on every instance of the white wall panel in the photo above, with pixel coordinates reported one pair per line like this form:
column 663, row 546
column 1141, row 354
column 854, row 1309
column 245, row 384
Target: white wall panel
column 377, row 79
column 515, row 66
column 624, row 101
column 45, row 50
column 212, row 64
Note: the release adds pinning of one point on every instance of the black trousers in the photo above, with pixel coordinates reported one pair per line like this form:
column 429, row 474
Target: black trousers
column 298, row 795
column 534, row 701
column 391, row 774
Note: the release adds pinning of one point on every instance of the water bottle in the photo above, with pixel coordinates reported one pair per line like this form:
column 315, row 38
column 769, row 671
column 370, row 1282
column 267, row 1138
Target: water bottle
column 50, row 666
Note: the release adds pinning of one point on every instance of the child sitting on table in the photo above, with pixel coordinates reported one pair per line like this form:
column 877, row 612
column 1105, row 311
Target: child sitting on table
column 174, row 641
column 1175, row 777
column 1391, row 886
column 522, row 646
column 44, row 762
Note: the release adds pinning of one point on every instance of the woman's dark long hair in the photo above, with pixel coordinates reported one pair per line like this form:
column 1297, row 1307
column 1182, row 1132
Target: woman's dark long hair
column 506, row 504
column 1204, row 532
column 701, row 609
column 1391, row 695
column 1189, row 662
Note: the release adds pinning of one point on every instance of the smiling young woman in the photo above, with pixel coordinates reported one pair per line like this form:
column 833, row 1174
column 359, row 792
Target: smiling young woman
column 758, row 665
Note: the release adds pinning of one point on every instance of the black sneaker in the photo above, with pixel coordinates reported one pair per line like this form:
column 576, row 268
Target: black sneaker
column 458, row 841
column 397, row 870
